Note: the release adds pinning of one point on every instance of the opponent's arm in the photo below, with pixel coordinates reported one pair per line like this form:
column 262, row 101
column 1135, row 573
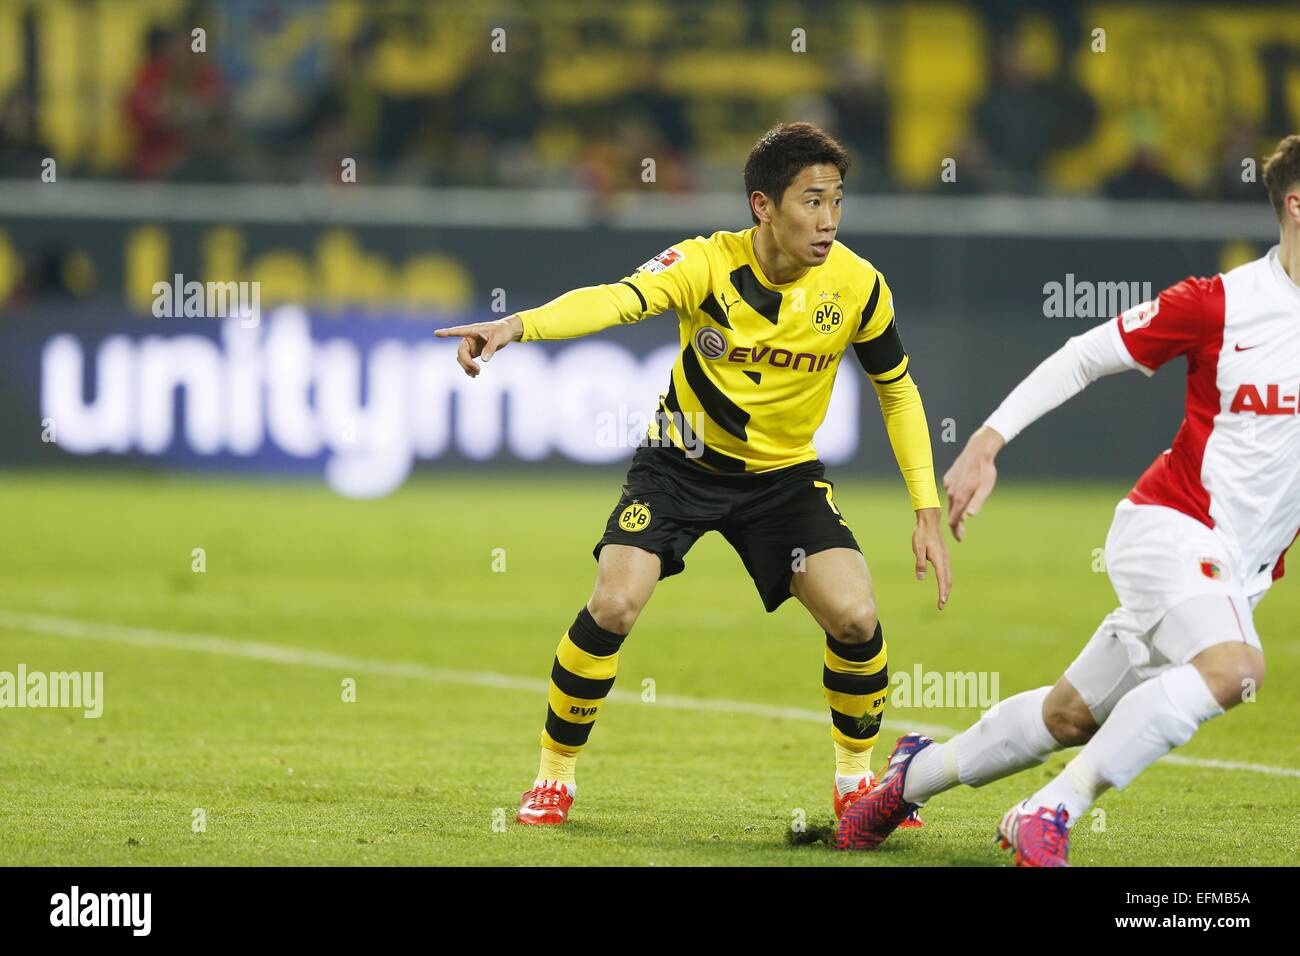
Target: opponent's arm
column 1062, row 375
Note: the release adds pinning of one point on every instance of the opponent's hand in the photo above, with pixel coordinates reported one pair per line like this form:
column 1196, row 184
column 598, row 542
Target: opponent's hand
column 971, row 478
column 483, row 339
column 928, row 546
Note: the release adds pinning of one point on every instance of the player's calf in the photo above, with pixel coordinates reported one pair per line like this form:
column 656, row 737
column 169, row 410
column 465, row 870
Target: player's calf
column 1233, row 672
column 625, row 580
column 1067, row 717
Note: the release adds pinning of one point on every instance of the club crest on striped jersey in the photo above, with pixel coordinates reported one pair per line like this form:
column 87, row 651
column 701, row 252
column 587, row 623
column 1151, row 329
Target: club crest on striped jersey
column 1140, row 316
column 827, row 318
column 710, row 343
column 661, row 262
column 635, row 517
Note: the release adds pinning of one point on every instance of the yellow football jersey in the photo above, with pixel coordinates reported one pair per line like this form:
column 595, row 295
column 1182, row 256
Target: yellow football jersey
column 758, row 359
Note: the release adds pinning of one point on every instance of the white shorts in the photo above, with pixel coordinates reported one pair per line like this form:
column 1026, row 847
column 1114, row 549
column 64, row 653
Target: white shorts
column 1157, row 559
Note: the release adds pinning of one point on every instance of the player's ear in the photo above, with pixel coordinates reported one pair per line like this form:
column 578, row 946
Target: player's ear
column 761, row 206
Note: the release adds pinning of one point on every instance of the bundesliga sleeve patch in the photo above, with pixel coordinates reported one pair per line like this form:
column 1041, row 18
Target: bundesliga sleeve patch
column 661, row 262
column 1140, row 316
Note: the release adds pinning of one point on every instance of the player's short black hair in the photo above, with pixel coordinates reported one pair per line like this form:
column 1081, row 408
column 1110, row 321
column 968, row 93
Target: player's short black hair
column 1282, row 171
column 783, row 152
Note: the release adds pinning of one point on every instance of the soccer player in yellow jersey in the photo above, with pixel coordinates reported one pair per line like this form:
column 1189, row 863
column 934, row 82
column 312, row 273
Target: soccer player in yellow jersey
column 765, row 316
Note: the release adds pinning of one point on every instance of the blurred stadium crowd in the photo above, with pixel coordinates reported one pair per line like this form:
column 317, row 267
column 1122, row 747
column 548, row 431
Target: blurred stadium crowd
column 1028, row 97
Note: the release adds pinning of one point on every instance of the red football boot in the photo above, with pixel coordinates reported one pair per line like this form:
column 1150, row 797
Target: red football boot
column 547, row 804
column 842, row 802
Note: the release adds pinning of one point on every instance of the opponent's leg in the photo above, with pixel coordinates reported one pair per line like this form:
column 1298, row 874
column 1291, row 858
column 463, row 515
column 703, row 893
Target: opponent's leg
column 835, row 587
column 1214, row 654
column 582, row 675
column 1024, row 730
column 1019, row 732
column 1164, row 712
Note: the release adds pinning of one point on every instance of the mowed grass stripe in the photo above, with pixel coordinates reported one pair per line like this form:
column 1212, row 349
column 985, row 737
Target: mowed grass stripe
column 305, row 657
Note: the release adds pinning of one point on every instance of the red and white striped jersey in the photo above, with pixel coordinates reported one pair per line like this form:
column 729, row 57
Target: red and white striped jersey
column 1235, row 463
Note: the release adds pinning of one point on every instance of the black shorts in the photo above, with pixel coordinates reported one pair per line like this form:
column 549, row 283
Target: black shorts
column 771, row 519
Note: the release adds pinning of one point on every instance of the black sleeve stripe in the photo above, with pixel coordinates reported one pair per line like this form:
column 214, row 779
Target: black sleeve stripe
column 891, row 381
column 882, row 353
column 870, row 310
column 639, row 296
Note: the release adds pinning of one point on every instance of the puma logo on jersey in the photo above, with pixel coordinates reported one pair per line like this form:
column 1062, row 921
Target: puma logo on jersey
column 1273, row 402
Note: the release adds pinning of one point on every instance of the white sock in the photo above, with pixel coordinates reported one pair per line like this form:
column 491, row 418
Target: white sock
column 1148, row 722
column 847, row 783
column 1076, row 787
column 932, row 771
column 572, row 787
column 1010, row 737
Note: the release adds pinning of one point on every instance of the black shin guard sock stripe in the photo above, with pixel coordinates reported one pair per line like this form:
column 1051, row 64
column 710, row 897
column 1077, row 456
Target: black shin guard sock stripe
column 856, row 685
column 858, row 653
column 592, row 638
column 857, row 728
column 563, row 732
column 584, row 688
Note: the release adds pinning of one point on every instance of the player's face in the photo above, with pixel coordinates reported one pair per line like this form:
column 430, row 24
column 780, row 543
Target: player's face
column 804, row 224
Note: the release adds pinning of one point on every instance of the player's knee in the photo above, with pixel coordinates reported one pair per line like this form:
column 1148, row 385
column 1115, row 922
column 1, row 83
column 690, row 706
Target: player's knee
column 1067, row 717
column 1233, row 672
column 614, row 609
column 856, row 622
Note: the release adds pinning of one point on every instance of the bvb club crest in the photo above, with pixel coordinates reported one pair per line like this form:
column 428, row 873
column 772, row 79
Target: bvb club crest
column 827, row 318
column 635, row 517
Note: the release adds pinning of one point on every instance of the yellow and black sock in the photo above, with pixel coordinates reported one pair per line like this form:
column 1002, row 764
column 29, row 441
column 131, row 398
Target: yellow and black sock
column 856, row 681
column 581, row 677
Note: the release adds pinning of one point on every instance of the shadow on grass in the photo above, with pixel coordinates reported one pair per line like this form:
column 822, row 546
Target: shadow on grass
column 821, row 837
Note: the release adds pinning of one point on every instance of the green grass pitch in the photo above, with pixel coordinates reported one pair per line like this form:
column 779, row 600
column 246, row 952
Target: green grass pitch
column 224, row 689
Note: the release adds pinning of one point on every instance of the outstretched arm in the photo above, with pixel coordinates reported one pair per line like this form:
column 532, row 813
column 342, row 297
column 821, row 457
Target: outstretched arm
column 677, row 278
column 576, row 313
column 1062, row 375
